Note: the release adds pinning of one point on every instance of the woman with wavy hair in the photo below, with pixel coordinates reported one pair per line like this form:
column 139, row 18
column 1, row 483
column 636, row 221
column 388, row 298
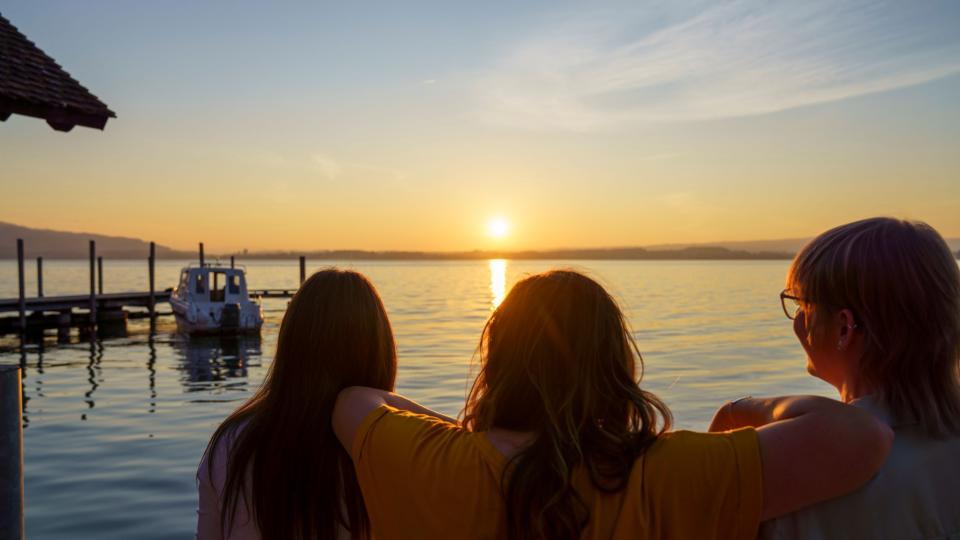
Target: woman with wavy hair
column 560, row 442
column 274, row 468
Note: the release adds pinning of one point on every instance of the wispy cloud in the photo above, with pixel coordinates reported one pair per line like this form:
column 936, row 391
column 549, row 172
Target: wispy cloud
column 332, row 168
column 727, row 60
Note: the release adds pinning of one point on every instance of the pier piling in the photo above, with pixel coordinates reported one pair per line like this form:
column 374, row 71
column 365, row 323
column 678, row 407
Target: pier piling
column 39, row 277
column 100, row 275
column 303, row 269
column 231, row 262
column 23, row 291
column 93, row 290
column 64, row 319
column 11, row 452
column 151, row 270
column 201, row 254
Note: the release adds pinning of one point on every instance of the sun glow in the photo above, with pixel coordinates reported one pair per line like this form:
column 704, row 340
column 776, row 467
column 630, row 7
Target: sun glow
column 498, row 227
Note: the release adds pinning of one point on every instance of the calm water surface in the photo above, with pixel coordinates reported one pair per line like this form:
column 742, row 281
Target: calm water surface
column 114, row 428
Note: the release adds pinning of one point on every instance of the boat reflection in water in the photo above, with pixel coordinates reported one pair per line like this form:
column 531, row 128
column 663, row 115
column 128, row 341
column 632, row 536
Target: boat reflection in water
column 207, row 362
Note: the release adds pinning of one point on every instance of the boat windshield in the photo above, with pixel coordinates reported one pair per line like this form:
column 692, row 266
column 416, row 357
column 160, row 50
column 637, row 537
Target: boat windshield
column 224, row 283
column 233, row 284
column 217, row 291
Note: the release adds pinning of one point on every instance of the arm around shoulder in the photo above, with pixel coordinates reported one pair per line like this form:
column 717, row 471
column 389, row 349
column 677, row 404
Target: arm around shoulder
column 812, row 448
column 355, row 403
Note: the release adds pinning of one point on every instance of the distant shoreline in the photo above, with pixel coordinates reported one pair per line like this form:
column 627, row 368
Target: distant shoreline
column 600, row 254
column 52, row 244
column 611, row 254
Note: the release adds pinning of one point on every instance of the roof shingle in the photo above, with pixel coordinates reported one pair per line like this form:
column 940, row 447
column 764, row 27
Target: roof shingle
column 33, row 84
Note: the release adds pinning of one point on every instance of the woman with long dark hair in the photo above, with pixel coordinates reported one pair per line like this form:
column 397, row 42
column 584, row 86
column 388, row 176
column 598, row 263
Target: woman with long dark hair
column 560, row 442
column 274, row 467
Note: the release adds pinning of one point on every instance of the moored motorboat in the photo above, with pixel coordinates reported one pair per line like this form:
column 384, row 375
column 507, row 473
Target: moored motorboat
column 213, row 299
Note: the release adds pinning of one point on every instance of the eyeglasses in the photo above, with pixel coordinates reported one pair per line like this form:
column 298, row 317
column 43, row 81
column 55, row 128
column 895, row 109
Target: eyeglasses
column 791, row 304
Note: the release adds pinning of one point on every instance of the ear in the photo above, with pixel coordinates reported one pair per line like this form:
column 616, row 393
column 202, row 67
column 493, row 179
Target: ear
column 847, row 329
column 800, row 326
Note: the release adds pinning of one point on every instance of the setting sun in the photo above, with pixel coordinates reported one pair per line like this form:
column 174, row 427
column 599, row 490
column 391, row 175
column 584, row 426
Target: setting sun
column 498, row 227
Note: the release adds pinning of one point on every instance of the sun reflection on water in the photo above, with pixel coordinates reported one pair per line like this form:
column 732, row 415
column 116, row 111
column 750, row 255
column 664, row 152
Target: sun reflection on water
column 498, row 281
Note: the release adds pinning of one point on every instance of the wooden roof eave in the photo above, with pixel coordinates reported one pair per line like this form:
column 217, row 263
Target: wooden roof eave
column 59, row 118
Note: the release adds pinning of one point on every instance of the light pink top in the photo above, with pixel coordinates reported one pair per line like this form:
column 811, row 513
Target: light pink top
column 210, row 485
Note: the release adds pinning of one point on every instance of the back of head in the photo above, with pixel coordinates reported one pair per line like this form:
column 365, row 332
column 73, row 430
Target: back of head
column 285, row 460
column 558, row 360
column 335, row 333
column 902, row 284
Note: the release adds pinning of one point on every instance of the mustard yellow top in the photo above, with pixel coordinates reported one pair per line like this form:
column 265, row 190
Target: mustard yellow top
column 426, row 479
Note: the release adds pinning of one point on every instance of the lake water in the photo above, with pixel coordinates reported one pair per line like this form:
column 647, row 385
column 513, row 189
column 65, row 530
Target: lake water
column 113, row 429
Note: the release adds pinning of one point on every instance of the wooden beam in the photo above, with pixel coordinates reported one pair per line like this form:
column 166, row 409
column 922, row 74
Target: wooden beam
column 11, row 450
column 59, row 118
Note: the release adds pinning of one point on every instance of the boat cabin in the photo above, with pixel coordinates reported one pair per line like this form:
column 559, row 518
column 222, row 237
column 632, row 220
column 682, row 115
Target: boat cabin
column 212, row 284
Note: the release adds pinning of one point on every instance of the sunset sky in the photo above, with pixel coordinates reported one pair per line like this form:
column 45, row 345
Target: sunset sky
column 412, row 125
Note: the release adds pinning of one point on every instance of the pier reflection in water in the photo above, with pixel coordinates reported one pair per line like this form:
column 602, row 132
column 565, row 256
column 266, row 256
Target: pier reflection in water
column 121, row 423
column 204, row 364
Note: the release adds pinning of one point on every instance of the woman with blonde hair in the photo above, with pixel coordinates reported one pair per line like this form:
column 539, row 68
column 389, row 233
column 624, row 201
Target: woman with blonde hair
column 560, row 442
column 876, row 306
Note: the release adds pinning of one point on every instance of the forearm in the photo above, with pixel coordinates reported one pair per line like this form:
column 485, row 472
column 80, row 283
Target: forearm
column 756, row 412
column 399, row 402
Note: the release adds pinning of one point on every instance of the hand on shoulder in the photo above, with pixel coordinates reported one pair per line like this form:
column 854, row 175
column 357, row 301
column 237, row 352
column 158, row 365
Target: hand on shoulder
column 812, row 448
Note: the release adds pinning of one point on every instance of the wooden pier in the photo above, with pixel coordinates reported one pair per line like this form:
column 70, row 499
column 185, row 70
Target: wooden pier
column 96, row 310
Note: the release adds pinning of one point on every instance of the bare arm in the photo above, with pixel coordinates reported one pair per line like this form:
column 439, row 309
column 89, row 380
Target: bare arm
column 356, row 402
column 208, row 513
column 812, row 448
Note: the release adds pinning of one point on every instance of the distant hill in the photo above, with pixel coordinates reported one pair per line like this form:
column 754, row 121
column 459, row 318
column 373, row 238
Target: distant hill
column 628, row 253
column 69, row 245
column 786, row 245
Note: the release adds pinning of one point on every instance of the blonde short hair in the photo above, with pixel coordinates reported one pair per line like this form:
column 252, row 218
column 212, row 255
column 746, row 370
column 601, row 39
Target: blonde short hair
column 902, row 284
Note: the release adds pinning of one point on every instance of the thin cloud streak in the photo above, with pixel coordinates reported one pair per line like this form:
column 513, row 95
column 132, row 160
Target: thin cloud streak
column 337, row 169
column 729, row 60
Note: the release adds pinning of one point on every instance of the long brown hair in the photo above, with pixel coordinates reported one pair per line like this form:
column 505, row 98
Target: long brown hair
column 902, row 284
column 557, row 359
column 285, row 462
